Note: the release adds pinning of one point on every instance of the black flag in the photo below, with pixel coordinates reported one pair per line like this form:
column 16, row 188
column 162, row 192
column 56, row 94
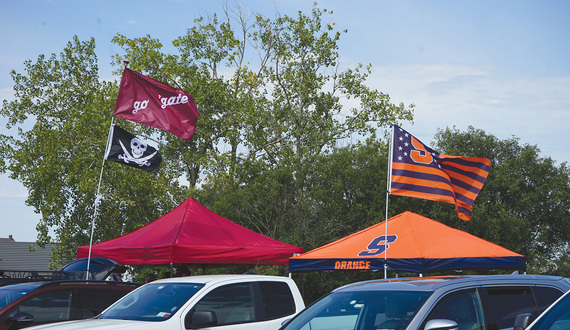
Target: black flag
column 127, row 149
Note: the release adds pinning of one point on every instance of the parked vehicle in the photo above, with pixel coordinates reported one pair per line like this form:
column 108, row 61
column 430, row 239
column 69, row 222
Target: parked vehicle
column 99, row 269
column 31, row 303
column 466, row 302
column 220, row 301
column 557, row 316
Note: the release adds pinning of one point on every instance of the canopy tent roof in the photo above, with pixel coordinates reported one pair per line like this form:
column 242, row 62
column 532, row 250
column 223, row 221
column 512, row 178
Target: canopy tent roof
column 414, row 244
column 192, row 234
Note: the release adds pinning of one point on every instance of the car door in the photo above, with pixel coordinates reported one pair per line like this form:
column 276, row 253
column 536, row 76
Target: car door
column 250, row 305
column 89, row 302
column 233, row 305
column 464, row 307
column 275, row 300
column 502, row 304
column 46, row 307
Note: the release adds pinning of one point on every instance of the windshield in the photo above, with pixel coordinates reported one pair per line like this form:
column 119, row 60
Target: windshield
column 360, row 310
column 558, row 317
column 10, row 293
column 152, row 302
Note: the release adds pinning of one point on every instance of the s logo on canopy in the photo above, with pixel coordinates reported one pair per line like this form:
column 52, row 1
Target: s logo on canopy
column 378, row 245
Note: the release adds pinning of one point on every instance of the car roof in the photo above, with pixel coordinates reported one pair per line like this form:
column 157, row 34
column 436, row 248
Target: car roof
column 437, row 282
column 41, row 284
column 212, row 279
column 21, row 286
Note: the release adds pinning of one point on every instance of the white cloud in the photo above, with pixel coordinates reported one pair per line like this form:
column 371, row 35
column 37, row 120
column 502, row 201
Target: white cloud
column 535, row 110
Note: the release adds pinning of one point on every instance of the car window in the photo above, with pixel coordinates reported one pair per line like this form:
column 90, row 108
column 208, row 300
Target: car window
column 11, row 293
column 51, row 306
column 503, row 304
column 277, row 300
column 545, row 297
column 360, row 310
column 92, row 302
column 232, row 304
column 463, row 308
column 558, row 317
column 152, row 302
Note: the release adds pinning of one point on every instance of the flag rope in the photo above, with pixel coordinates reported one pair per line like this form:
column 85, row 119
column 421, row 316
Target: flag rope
column 98, row 197
column 388, row 182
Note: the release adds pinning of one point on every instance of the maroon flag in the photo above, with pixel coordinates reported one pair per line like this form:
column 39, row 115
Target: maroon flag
column 150, row 102
column 419, row 171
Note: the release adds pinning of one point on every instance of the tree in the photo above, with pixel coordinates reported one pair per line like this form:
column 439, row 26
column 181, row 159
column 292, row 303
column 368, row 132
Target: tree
column 265, row 121
column 284, row 107
column 266, row 118
column 59, row 158
column 346, row 187
column 524, row 205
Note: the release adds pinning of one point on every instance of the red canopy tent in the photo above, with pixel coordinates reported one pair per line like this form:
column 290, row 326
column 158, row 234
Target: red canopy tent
column 414, row 244
column 192, row 234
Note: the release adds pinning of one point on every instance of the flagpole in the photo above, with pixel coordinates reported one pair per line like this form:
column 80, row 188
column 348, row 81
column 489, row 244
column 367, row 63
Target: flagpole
column 98, row 196
column 389, row 186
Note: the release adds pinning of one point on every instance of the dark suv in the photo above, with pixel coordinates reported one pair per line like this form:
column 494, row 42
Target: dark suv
column 30, row 297
column 31, row 303
column 487, row 302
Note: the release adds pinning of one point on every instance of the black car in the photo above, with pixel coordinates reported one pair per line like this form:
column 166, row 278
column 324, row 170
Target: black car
column 32, row 303
column 35, row 297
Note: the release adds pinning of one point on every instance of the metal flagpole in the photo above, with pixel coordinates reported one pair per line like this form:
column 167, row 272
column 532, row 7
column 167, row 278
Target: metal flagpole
column 98, row 196
column 389, row 184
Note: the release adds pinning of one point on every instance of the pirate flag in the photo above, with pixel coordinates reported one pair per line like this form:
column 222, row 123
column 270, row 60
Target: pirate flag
column 127, row 149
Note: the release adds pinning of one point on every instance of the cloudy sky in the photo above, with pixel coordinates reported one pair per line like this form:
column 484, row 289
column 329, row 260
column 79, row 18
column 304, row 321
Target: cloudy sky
column 501, row 66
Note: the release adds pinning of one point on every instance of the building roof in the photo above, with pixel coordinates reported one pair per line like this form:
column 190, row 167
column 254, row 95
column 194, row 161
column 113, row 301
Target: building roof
column 24, row 255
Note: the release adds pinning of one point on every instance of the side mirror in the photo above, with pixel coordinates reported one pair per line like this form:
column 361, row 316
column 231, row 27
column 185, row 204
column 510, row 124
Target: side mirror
column 522, row 321
column 19, row 320
column 441, row 324
column 200, row 319
column 285, row 322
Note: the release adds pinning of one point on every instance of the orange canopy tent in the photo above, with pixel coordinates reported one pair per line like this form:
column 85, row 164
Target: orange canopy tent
column 414, row 244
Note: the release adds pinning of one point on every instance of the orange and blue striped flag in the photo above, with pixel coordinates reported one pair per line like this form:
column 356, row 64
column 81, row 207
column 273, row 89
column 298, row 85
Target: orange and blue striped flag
column 419, row 171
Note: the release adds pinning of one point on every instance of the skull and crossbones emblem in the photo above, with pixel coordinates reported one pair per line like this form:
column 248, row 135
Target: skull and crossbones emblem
column 138, row 148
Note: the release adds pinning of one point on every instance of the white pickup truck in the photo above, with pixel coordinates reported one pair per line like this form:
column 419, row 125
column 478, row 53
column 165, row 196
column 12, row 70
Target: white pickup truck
column 200, row 302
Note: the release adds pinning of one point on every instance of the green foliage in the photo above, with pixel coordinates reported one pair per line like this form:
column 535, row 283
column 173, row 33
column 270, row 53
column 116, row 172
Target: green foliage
column 63, row 114
column 345, row 192
column 269, row 94
column 285, row 145
column 524, row 205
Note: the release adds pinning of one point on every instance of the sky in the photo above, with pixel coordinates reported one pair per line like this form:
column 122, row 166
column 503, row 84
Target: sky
column 500, row 66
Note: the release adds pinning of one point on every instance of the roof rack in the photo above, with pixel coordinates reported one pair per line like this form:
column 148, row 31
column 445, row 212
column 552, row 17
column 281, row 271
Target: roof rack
column 100, row 282
column 101, row 269
column 33, row 275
